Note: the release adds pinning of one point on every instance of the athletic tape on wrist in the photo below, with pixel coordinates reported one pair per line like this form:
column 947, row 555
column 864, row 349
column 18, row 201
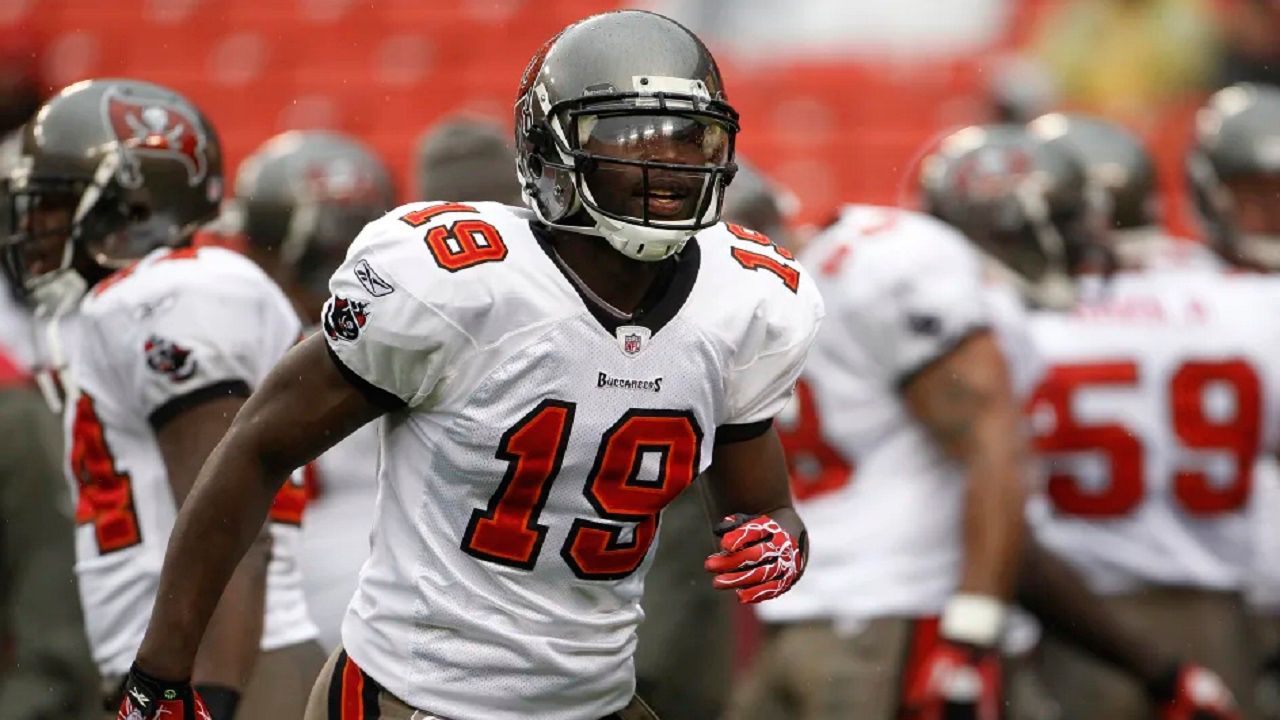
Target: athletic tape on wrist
column 973, row 619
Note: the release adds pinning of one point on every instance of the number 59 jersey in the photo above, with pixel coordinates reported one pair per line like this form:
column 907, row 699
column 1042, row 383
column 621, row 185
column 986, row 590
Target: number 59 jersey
column 532, row 443
column 1163, row 392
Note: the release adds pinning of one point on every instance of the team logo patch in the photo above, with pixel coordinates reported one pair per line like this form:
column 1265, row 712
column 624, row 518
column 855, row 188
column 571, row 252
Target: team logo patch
column 371, row 280
column 343, row 319
column 632, row 339
column 153, row 127
column 169, row 358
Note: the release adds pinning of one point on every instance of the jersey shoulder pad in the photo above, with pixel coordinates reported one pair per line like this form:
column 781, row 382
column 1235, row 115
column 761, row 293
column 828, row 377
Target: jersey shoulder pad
column 872, row 249
column 753, row 295
column 210, row 271
column 476, row 265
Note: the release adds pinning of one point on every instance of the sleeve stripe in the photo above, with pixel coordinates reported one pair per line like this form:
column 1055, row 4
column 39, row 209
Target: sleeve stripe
column 726, row 434
column 382, row 398
column 174, row 407
column 944, row 350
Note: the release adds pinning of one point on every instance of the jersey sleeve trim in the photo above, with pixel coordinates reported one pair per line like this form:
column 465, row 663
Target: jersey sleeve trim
column 729, row 434
column 943, row 350
column 382, row 398
column 174, row 407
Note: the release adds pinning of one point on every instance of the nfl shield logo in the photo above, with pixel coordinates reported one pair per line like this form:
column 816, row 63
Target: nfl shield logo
column 632, row 339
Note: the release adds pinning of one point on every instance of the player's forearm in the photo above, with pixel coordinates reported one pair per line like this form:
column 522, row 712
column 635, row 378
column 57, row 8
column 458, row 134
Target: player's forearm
column 230, row 645
column 216, row 527
column 1059, row 598
column 993, row 524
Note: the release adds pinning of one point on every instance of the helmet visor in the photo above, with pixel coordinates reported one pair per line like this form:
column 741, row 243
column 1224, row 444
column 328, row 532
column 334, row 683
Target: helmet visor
column 654, row 168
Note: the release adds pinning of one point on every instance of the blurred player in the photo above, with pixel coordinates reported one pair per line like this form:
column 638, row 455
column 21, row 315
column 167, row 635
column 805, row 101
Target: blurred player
column 547, row 383
column 908, row 383
column 466, row 159
column 1121, row 171
column 299, row 200
column 162, row 353
column 1234, row 169
column 1147, row 376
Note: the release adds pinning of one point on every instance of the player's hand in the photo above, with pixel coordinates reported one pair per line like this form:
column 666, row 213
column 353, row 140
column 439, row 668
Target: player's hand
column 147, row 697
column 758, row 558
column 1191, row 692
column 956, row 682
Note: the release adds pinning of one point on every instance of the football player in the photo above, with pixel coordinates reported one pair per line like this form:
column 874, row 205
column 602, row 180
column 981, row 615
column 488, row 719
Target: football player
column 547, row 382
column 299, row 200
column 1149, row 375
column 162, row 354
column 916, row 387
column 1234, row 170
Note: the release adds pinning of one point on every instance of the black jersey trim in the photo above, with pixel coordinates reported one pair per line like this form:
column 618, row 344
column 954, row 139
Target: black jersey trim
column 728, row 434
column 944, row 350
column 384, row 399
column 661, row 302
column 174, row 407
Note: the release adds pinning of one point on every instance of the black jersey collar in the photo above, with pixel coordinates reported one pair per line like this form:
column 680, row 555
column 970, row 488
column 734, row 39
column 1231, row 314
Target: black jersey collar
column 662, row 301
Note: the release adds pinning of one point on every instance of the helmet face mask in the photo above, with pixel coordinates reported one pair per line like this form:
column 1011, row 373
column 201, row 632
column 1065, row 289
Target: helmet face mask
column 640, row 158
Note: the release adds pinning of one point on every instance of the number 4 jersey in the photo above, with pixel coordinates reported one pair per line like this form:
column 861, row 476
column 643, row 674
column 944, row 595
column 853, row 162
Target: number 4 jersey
column 178, row 328
column 1163, row 390
column 534, row 441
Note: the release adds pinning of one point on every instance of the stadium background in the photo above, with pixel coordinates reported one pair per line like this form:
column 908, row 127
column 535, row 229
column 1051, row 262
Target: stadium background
column 839, row 121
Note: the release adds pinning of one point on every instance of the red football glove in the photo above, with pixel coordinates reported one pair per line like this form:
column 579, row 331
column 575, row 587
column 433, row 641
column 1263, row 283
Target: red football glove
column 147, row 697
column 1195, row 693
column 758, row 558
column 956, row 682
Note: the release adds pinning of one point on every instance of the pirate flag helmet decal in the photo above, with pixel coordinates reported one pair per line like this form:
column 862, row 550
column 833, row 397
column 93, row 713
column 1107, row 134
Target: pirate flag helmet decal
column 107, row 171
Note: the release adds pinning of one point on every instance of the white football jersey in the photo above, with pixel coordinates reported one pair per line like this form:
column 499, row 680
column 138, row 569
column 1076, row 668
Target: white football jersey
column 534, row 440
column 1163, row 392
column 178, row 327
column 882, row 504
column 335, row 537
column 1151, row 248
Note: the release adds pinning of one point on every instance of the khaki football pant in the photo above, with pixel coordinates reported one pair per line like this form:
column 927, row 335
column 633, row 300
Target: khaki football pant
column 811, row 671
column 1210, row 628
column 281, row 682
column 344, row 692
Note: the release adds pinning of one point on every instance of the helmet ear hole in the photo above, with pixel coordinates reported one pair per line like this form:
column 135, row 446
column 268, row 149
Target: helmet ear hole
column 535, row 165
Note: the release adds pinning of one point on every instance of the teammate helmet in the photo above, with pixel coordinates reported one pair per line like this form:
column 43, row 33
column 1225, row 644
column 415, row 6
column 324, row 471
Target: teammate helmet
column 308, row 194
column 1115, row 159
column 624, row 115
column 1234, row 170
column 108, row 169
column 1024, row 203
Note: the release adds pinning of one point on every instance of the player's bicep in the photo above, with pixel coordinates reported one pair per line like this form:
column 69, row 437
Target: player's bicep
column 304, row 406
column 749, row 475
column 963, row 392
